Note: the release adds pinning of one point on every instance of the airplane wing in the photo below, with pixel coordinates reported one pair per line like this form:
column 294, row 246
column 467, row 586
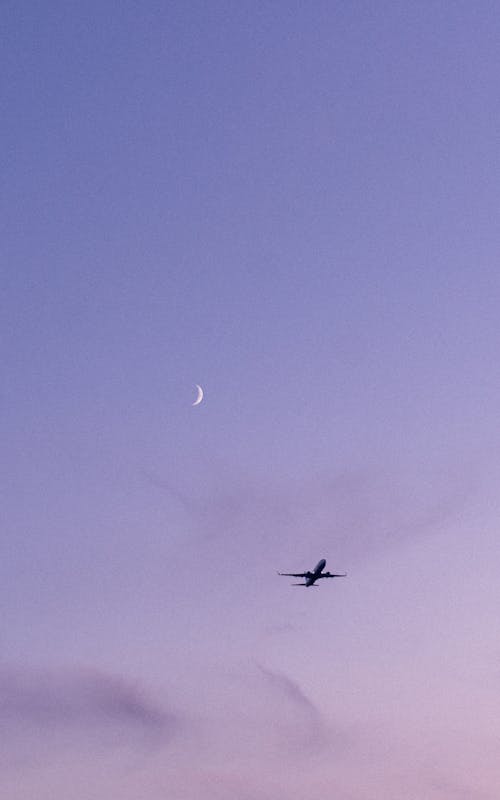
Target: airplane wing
column 293, row 574
column 334, row 575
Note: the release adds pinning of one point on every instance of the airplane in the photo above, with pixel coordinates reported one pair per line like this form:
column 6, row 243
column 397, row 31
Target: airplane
column 315, row 575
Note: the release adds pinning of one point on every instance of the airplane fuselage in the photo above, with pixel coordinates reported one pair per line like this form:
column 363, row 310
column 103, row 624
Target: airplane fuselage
column 312, row 577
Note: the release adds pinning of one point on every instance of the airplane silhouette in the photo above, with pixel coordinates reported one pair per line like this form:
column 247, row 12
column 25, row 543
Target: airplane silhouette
column 315, row 575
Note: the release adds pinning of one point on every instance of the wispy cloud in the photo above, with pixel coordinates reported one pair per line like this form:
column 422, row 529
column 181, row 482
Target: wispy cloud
column 350, row 514
column 305, row 726
column 290, row 689
column 87, row 702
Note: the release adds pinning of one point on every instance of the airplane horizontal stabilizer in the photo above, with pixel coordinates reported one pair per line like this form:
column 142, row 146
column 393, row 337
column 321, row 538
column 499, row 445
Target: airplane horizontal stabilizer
column 304, row 584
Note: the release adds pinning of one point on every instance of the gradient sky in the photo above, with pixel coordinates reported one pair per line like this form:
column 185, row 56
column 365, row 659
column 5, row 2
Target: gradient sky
column 297, row 206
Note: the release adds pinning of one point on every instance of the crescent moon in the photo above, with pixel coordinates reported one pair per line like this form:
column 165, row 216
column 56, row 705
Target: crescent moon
column 200, row 396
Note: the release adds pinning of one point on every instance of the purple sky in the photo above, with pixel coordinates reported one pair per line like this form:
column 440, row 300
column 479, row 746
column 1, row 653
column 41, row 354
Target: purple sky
column 295, row 205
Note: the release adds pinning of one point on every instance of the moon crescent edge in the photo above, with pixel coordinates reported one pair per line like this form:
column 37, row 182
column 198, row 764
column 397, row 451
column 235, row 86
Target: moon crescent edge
column 200, row 395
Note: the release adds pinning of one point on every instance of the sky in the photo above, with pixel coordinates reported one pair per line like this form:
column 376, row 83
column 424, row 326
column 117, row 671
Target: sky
column 296, row 206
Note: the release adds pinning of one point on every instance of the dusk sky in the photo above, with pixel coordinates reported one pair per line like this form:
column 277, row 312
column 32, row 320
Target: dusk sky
column 296, row 206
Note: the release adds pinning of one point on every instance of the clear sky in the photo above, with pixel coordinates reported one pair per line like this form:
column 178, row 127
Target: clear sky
column 297, row 206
